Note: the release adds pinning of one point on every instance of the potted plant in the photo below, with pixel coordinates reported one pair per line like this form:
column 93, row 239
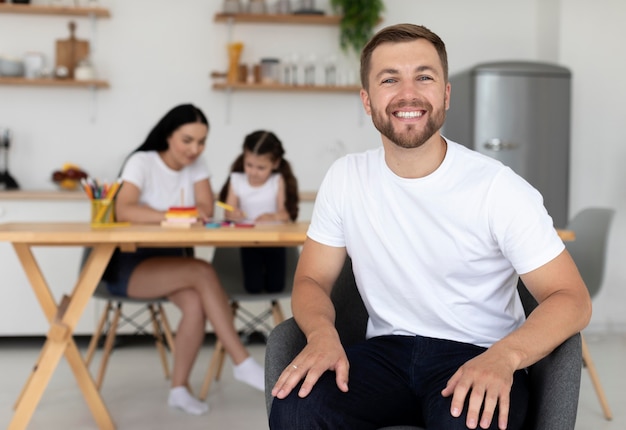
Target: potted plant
column 359, row 17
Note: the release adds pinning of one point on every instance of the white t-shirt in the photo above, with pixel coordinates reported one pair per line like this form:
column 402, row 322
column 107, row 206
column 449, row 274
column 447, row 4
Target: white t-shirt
column 255, row 201
column 436, row 256
column 162, row 187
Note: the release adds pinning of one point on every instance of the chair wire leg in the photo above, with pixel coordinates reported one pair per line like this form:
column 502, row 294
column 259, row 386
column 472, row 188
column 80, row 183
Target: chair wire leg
column 252, row 322
column 158, row 340
column 108, row 345
column 595, row 380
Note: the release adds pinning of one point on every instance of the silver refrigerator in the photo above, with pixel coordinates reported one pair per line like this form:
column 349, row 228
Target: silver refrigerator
column 519, row 113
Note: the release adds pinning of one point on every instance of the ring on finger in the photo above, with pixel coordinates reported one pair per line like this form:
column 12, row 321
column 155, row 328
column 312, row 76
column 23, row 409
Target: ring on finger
column 294, row 366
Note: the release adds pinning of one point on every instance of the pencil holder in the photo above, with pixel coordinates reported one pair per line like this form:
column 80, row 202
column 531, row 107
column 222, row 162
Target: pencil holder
column 102, row 212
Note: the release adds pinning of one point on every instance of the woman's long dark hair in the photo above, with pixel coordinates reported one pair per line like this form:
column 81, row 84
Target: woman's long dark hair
column 176, row 117
column 266, row 143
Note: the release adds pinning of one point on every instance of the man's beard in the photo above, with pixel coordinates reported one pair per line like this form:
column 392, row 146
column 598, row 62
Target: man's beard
column 409, row 138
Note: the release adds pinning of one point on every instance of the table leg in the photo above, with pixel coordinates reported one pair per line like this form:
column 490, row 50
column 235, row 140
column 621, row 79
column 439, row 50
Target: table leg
column 88, row 387
column 37, row 383
column 35, row 387
column 63, row 320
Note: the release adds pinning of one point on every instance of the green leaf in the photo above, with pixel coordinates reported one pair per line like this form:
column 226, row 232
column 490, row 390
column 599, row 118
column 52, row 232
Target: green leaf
column 359, row 17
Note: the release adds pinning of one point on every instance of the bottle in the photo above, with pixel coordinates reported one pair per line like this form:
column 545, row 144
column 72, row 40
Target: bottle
column 84, row 71
column 309, row 70
column 330, row 71
column 33, row 64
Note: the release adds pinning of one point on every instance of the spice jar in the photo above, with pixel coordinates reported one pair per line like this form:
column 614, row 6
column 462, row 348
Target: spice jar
column 270, row 70
column 257, row 6
column 232, row 6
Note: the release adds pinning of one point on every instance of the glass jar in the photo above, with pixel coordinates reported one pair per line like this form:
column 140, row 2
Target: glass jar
column 270, row 70
column 307, row 5
column 283, row 7
column 232, row 6
column 257, row 6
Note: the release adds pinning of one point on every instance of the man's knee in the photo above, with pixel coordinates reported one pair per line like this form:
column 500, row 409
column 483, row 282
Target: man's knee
column 317, row 411
column 291, row 413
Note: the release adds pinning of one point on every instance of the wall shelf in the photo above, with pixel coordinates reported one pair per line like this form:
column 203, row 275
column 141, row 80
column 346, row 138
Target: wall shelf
column 92, row 13
column 288, row 88
column 29, row 9
column 95, row 83
column 252, row 18
column 230, row 19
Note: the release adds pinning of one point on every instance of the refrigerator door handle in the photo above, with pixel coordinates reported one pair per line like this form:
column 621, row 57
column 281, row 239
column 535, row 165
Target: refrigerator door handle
column 496, row 144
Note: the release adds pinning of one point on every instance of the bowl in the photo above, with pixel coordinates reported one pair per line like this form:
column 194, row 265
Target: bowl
column 11, row 67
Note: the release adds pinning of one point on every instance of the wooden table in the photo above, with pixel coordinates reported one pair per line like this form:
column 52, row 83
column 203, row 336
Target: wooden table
column 64, row 316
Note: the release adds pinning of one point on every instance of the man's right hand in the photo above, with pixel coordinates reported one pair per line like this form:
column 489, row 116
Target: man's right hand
column 323, row 352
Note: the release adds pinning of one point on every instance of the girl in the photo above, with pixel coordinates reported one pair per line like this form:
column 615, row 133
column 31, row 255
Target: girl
column 262, row 188
column 154, row 175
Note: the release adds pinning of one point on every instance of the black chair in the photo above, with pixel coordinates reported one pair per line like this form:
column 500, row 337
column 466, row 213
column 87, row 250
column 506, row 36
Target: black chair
column 227, row 264
column 555, row 380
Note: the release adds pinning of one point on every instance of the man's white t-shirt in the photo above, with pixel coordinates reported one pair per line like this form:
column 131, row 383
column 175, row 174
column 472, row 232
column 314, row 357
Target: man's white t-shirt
column 437, row 256
column 162, row 187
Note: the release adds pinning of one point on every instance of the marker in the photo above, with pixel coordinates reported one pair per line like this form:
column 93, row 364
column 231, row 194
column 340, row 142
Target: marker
column 225, row 206
column 228, row 207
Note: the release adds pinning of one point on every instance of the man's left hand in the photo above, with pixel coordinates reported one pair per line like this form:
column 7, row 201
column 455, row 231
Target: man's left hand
column 489, row 378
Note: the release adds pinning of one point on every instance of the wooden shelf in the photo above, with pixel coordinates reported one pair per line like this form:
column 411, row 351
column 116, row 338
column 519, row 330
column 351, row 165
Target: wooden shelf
column 278, row 19
column 4, row 80
column 30, row 9
column 289, row 88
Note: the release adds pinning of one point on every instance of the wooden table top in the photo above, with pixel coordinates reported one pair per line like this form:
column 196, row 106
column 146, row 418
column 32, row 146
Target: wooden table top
column 152, row 235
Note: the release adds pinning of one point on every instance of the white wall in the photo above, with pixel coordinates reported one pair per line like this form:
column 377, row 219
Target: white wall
column 158, row 53
column 591, row 38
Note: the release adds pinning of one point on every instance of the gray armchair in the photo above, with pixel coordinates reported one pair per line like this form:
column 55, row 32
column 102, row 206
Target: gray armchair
column 555, row 380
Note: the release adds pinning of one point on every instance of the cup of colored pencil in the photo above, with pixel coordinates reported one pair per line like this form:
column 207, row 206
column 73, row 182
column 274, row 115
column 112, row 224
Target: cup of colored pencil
column 102, row 196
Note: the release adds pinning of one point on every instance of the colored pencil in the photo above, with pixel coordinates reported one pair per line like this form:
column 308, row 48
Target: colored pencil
column 113, row 189
column 87, row 188
column 225, row 206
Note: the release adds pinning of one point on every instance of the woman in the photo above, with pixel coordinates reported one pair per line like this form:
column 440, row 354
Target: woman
column 166, row 170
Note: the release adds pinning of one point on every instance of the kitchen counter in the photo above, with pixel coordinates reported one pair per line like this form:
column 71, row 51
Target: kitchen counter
column 42, row 195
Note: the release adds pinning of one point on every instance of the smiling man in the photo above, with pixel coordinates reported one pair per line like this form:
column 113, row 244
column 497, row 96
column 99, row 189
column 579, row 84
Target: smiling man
column 438, row 235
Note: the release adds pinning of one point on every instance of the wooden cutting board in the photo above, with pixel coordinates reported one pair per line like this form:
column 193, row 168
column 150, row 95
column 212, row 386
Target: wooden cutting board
column 70, row 52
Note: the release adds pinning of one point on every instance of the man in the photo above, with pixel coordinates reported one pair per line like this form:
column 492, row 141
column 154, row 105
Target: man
column 437, row 234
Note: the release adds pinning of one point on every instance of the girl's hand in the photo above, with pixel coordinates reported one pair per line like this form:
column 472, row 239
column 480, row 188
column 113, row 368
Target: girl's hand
column 266, row 218
column 236, row 215
column 203, row 216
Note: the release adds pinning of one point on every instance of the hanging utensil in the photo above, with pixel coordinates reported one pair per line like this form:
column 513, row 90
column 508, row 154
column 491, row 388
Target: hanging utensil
column 7, row 181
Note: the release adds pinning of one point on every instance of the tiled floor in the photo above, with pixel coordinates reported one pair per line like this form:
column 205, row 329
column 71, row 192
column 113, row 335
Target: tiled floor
column 135, row 391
